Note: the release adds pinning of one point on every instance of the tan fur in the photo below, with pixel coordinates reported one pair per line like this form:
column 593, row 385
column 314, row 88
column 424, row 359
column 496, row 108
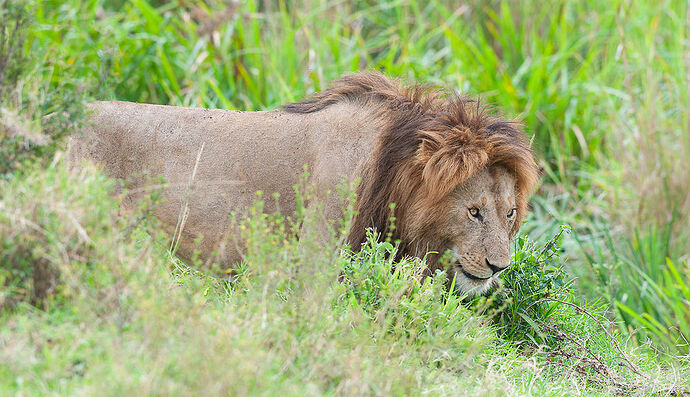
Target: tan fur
column 426, row 150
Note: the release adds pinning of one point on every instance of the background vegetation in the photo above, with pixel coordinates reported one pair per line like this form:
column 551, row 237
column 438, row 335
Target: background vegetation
column 91, row 301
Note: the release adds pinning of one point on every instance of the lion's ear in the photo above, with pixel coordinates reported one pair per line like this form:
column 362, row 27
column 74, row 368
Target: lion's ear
column 448, row 158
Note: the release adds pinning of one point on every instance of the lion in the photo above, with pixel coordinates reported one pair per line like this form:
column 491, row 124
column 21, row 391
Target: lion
column 459, row 174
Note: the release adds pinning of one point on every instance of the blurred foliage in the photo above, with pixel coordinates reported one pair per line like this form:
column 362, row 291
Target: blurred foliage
column 36, row 114
column 254, row 56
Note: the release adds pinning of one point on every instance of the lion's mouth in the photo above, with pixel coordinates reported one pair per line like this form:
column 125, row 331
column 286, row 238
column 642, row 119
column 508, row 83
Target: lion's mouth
column 470, row 275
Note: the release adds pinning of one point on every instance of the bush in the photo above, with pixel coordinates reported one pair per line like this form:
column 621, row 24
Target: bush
column 58, row 233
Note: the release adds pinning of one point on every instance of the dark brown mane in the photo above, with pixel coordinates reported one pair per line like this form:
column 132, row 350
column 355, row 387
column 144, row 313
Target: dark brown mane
column 433, row 141
column 368, row 88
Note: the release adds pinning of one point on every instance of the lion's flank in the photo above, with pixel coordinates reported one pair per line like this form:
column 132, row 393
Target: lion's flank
column 434, row 140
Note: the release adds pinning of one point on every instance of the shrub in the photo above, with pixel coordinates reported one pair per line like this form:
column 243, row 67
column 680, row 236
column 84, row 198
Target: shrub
column 530, row 289
column 58, row 234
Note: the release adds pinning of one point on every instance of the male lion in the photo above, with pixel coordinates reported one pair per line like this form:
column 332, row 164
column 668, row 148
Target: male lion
column 459, row 176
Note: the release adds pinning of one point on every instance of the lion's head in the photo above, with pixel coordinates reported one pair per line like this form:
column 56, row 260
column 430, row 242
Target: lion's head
column 473, row 225
column 459, row 176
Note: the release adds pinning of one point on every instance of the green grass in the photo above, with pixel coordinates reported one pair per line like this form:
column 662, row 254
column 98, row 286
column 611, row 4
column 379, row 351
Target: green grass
column 602, row 86
column 124, row 317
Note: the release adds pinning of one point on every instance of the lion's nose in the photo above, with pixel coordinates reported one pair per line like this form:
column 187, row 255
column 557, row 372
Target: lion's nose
column 494, row 268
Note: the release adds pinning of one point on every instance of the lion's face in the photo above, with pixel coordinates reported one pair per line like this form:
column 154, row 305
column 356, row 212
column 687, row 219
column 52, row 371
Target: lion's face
column 477, row 229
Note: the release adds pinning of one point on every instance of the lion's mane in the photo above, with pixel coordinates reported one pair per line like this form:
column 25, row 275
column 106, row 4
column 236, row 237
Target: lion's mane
column 433, row 140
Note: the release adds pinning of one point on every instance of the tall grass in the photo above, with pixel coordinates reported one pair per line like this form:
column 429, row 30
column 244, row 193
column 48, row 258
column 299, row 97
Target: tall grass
column 541, row 61
column 642, row 251
column 36, row 112
column 572, row 70
column 123, row 318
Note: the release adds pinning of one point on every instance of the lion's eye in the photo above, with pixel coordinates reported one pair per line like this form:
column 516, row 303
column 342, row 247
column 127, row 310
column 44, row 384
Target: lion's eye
column 511, row 213
column 474, row 211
